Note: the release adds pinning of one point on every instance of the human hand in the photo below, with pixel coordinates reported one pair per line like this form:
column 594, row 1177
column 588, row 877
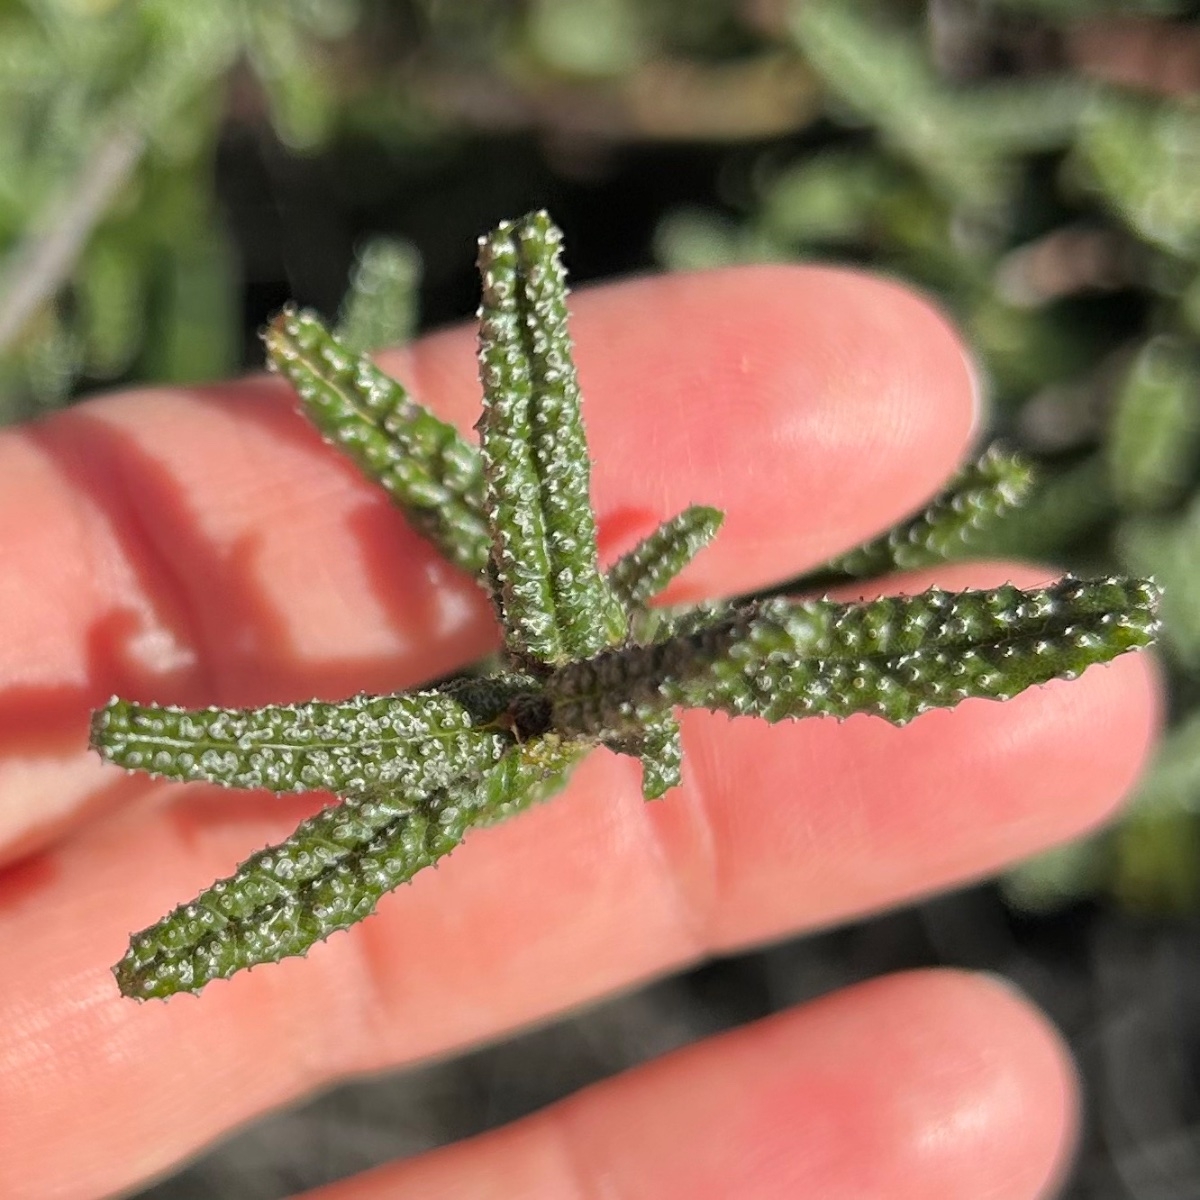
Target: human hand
column 203, row 546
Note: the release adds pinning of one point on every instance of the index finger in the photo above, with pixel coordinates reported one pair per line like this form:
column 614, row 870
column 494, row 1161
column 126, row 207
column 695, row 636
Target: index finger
column 202, row 546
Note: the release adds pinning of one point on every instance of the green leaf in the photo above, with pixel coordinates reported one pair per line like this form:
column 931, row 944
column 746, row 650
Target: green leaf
column 979, row 496
column 1168, row 548
column 898, row 657
column 880, row 71
column 654, row 625
column 660, row 747
column 1155, row 430
column 414, row 740
column 426, row 465
column 1140, row 154
column 1057, row 877
column 533, row 772
column 380, row 307
column 328, row 875
column 895, row 657
column 656, row 560
column 553, row 600
column 1064, row 505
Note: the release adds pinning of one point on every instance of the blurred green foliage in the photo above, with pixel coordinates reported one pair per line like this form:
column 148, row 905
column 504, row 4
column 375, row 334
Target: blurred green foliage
column 380, row 306
column 1034, row 164
column 116, row 264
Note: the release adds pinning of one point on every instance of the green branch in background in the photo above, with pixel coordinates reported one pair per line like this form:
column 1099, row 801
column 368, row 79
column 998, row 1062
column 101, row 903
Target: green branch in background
column 380, row 307
column 114, row 260
column 1154, row 432
column 585, row 665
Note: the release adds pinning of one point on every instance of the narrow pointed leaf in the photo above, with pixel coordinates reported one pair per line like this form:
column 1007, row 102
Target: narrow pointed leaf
column 662, row 757
column 528, row 774
column 416, row 740
column 1064, row 505
column 587, row 611
column 424, row 464
column 328, row 875
column 552, row 597
column 895, row 657
column 660, row 747
column 979, row 495
column 519, row 568
column 900, row 656
column 655, row 561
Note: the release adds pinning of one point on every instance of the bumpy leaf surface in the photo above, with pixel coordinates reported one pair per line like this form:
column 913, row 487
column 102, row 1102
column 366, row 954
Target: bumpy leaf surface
column 895, row 657
column 414, row 740
column 555, row 603
column 656, row 560
column 426, row 465
column 978, row 496
column 328, row 875
column 659, row 746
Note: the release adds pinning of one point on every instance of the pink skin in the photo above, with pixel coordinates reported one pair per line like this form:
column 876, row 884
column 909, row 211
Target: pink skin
column 203, row 546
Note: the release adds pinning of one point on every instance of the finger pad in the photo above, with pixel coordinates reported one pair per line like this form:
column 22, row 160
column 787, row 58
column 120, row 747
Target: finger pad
column 923, row 1085
column 759, row 390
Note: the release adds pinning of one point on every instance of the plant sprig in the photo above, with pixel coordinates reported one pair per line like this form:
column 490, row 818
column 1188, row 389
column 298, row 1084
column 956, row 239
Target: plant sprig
column 587, row 661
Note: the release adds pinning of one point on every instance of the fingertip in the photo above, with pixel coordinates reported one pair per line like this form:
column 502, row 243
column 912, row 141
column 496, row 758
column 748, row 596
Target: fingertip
column 840, row 398
column 989, row 1103
column 927, row 1084
column 813, row 405
column 1098, row 732
column 1033, row 1076
column 921, row 1084
column 1124, row 703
